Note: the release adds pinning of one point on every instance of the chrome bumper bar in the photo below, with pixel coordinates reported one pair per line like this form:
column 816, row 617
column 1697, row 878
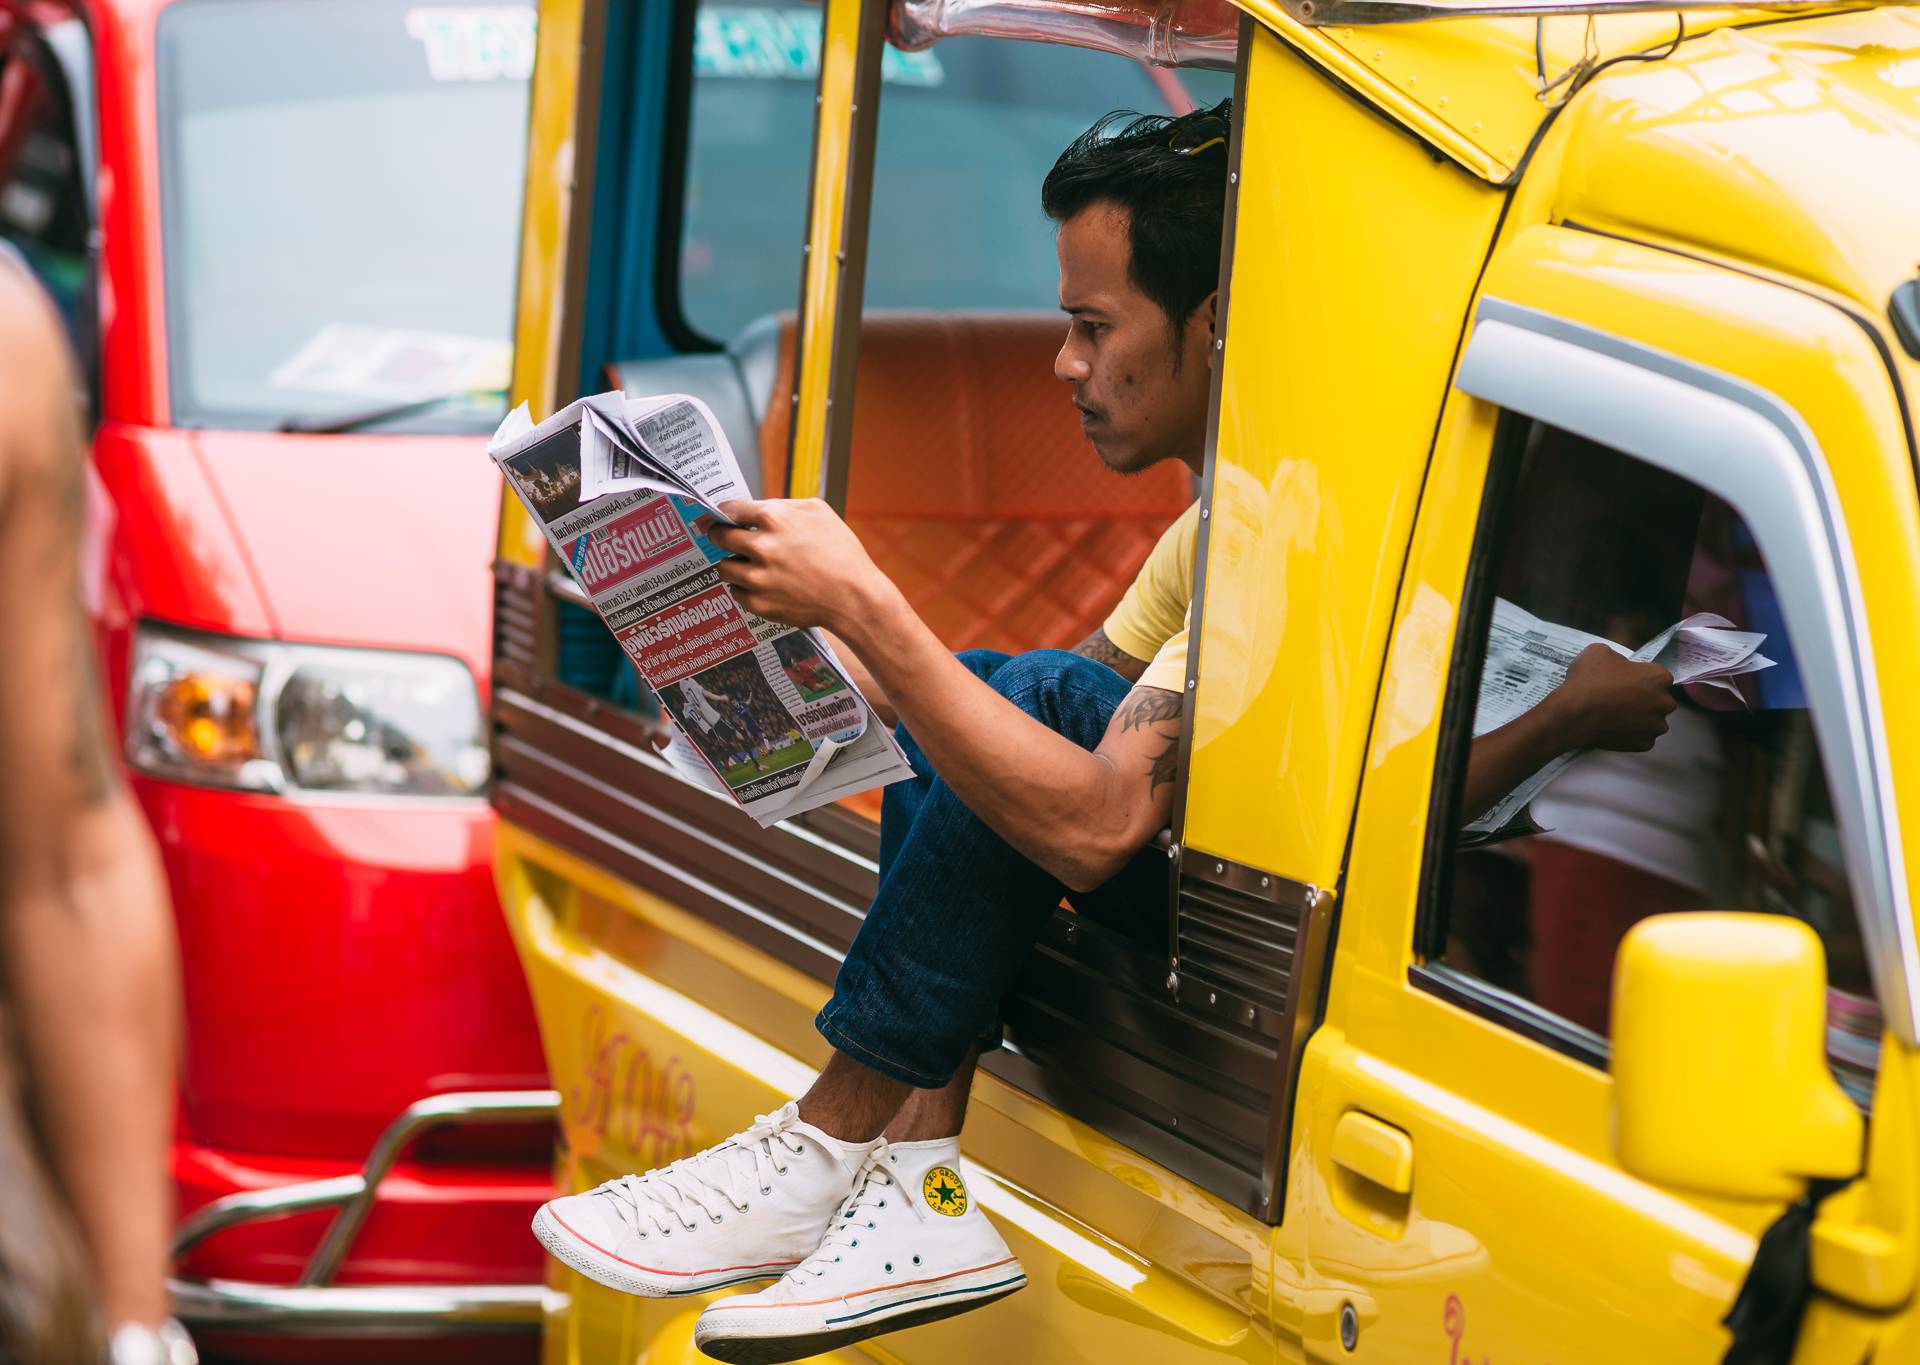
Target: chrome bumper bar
column 315, row 1306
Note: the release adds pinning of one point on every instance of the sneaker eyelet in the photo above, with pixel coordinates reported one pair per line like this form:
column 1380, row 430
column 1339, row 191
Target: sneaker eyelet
column 889, row 1267
column 869, row 1224
column 916, row 1260
column 883, row 1204
column 856, row 1241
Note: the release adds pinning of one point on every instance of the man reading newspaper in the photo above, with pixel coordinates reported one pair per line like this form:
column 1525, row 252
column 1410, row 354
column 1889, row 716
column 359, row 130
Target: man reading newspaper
column 1032, row 777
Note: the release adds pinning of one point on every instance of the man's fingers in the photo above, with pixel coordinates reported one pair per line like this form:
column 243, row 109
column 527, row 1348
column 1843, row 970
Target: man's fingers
column 733, row 539
column 748, row 511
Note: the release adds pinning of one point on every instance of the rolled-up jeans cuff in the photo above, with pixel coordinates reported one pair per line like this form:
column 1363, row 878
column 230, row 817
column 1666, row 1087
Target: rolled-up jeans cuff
column 867, row 1057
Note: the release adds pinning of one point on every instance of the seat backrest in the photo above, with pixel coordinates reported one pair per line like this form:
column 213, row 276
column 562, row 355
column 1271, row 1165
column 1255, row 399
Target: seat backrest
column 971, row 483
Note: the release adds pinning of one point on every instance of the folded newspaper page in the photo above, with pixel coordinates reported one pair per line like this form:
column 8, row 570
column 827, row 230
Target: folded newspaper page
column 625, row 490
column 1527, row 658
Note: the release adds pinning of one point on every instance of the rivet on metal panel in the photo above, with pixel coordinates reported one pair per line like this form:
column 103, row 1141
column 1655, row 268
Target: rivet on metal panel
column 1443, row 101
column 1173, row 982
column 1213, row 997
column 1349, row 1327
column 829, row 402
column 1266, row 881
column 1252, row 1015
column 1219, row 868
column 1233, row 177
column 1346, row 33
column 1412, row 79
column 1203, row 513
column 1173, row 850
column 1477, row 127
column 1190, row 684
column 1379, row 56
column 840, row 258
column 796, row 395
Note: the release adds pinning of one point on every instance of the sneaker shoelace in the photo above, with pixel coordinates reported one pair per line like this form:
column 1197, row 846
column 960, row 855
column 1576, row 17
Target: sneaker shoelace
column 872, row 1189
column 708, row 1183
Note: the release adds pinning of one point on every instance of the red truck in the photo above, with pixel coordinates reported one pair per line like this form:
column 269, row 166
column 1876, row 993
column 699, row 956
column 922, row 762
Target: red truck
column 283, row 235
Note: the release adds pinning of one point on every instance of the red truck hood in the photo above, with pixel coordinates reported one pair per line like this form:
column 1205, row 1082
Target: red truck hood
column 364, row 540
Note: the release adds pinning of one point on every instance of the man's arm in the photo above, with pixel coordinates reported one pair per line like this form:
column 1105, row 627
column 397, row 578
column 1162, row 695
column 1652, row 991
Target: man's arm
column 1102, row 650
column 1079, row 815
column 1605, row 702
column 85, row 935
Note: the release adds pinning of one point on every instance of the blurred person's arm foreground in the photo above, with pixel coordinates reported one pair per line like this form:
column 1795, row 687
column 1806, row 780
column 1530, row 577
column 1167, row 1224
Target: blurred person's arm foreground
column 86, row 941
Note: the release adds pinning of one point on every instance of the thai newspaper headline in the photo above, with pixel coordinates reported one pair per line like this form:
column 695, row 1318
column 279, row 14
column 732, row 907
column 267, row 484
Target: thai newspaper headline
column 625, row 490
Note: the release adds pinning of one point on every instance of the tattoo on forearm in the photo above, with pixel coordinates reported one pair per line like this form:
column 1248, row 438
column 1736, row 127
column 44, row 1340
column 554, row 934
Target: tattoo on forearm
column 1148, row 706
column 89, row 762
column 87, row 758
column 1164, row 765
column 1104, row 651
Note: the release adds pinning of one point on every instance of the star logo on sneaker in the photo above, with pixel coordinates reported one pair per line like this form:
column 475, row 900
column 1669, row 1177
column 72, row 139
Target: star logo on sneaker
column 945, row 1191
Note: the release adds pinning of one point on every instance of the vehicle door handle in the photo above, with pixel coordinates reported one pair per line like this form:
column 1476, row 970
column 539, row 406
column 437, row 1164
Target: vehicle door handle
column 1377, row 1152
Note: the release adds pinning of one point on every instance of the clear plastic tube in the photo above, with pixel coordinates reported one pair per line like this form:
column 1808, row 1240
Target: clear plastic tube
column 1203, row 33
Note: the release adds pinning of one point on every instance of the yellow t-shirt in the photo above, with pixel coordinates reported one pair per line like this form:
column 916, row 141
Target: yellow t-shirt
column 1153, row 616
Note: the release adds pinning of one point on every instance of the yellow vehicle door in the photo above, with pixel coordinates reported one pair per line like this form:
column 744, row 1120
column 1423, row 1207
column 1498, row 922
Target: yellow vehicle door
column 1635, row 438
column 676, row 953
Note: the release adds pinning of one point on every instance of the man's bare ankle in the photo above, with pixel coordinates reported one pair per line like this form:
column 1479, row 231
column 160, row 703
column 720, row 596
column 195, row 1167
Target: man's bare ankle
column 851, row 1102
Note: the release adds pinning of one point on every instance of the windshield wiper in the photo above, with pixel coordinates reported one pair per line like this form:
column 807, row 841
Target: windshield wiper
column 373, row 417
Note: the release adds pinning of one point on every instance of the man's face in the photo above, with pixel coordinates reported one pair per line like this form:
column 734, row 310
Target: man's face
column 1141, row 393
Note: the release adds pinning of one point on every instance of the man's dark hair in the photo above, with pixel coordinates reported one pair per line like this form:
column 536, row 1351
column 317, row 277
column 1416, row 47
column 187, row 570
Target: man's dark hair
column 1170, row 177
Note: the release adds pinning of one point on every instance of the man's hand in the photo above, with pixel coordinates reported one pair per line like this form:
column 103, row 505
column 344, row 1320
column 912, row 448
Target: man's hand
column 796, row 562
column 1605, row 702
column 1611, row 702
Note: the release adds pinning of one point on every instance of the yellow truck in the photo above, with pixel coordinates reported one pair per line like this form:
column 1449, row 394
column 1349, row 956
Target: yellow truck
column 1541, row 319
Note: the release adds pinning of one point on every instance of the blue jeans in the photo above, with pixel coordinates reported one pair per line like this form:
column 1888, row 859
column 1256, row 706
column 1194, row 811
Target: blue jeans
column 959, row 908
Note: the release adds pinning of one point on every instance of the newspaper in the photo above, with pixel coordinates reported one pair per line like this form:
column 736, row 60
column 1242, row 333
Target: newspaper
column 625, row 490
column 1527, row 658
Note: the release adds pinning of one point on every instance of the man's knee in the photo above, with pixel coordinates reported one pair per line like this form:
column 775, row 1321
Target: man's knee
column 1068, row 692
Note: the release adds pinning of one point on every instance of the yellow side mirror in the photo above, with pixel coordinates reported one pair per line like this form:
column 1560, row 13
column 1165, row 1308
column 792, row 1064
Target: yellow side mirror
column 1720, row 1079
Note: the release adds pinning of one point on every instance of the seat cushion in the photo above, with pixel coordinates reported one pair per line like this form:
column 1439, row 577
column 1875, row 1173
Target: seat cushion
column 972, row 485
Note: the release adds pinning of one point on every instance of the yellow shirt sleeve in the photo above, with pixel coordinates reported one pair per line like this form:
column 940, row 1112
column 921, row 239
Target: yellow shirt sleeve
column 1168, row 668
column 1155, row 606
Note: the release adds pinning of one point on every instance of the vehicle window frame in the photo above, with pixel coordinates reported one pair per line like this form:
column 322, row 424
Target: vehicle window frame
column 670, row 232
column 1521, row 363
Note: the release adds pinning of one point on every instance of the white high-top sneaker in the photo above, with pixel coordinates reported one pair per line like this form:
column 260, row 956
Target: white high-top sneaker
column 748, row 1209
column 908, row 1247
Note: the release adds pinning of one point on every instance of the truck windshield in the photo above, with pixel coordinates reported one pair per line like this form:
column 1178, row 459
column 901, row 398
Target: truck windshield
column 340, row 195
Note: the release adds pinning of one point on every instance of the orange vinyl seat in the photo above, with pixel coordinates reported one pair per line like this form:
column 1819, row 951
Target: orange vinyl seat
column 971, row 484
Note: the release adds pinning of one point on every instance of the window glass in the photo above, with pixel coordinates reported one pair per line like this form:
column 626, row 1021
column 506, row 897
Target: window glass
column 43, row 206
column 968, row 130
column 341, row 203
column 1573, row 829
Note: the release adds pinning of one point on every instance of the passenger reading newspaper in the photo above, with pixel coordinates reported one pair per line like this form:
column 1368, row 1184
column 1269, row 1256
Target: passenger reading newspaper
column 625, row 490
column 1527, row 658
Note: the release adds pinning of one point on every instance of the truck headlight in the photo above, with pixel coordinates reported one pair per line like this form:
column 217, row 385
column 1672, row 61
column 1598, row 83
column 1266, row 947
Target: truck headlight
column 259, row 715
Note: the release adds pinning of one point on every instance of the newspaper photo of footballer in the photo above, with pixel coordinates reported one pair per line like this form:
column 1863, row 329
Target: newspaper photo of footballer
column 548, row 475
column 735, row 720
column 811, row 675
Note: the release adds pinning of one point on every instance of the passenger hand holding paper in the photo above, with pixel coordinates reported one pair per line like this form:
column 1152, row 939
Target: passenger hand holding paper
column 1528, row 659
column 627, row 492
